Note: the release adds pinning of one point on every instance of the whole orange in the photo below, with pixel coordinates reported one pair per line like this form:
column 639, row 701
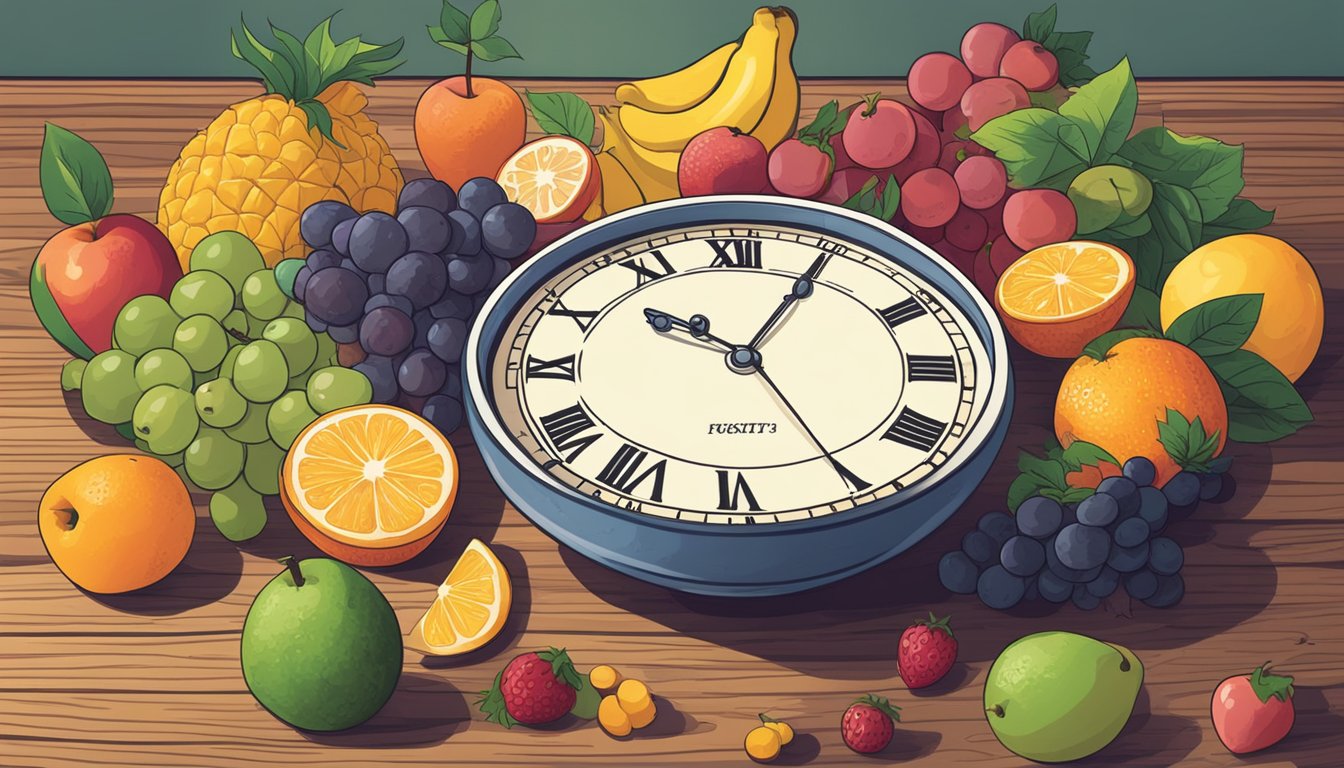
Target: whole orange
column 465, row 133
column 117, row 523
column 1115, row 403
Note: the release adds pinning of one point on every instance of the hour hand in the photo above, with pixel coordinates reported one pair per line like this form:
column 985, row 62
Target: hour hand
column 697, row 326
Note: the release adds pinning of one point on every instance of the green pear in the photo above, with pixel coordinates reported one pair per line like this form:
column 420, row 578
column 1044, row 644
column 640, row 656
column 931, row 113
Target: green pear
column 1057, row 696
column 321, row 646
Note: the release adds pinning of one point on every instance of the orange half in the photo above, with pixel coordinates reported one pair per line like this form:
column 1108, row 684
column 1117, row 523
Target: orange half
column 554, row 177
column 371, row 484
column 1057, row 298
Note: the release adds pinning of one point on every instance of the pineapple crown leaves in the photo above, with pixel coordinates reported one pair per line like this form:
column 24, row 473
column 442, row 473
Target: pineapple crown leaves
column 1266, row 685
column 562, row 667
column 1186, row 441
column 491, row 702
column 934, row 623
column 881, row 704
column 300, row 70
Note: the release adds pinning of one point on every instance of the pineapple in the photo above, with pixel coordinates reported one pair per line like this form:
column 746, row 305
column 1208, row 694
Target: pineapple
column 258, row 165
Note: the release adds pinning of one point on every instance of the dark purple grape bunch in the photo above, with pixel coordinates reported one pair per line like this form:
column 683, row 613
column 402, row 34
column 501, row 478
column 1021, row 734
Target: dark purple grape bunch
column 406, row 288
column 1087, row 551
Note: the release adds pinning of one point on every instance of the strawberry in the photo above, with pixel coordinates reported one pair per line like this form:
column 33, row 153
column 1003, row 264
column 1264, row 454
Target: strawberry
column 534, row 688
column 868, row 724
column 927, row 652
column 1251, row 712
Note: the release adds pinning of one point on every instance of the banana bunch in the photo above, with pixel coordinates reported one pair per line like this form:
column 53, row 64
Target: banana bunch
column 748, row 84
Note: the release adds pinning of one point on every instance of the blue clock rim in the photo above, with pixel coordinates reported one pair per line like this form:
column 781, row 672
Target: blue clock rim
column 500, row 307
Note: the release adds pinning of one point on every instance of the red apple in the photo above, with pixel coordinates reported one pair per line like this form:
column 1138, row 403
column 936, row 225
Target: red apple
column 86, row 273
column 1030, row 64
column 722, row 161
column 880, row 133
column 798, row 169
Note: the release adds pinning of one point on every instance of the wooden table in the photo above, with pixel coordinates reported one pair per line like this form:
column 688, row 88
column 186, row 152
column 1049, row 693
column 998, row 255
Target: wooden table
column 153, row 678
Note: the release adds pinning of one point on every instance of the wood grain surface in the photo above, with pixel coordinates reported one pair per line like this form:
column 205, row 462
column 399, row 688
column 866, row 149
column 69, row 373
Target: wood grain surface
column 153, row 679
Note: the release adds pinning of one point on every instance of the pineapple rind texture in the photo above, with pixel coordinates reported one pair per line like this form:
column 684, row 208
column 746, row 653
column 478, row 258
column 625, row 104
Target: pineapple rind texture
column 258, row 165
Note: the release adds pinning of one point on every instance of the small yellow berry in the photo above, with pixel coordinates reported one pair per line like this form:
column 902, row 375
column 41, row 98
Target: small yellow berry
column 604, row 677
column 784, row 730
column 642, row 717
column 612, row 718
column 633, row 695
column 762, row 744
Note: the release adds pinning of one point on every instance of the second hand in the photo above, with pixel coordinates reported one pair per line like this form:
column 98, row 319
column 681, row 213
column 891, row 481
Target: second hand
column 856, row 482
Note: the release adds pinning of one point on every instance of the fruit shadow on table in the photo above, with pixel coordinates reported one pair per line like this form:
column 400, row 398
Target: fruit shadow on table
column 209, row 572
column 424, row 710
column 1227, row 579
column 1151, row 739
column 1324, row 369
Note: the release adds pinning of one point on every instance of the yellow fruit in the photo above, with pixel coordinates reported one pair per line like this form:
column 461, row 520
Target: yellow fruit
column 470, row 608
column 1292, row 316
column 612, row 718
column 781, row 116
column 370, row 484
column 762, row 744
column 554, row 177
column 642, row 717
column 682, row 89
column 604, row 678
column 654, row 172
column 784, row 730
column 633, row 695
column 1057, row 298
column 739, row 100
column 1116, row 403
column 262, row 161
column 619, row 190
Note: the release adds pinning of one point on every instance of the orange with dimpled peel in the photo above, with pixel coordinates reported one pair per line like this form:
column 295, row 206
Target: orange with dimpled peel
column 370, row 485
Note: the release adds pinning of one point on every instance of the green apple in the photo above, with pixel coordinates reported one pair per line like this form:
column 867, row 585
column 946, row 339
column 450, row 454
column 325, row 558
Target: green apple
column 321, row 647
column 1057, row 696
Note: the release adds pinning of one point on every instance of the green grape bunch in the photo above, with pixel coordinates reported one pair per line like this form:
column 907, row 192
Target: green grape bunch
column 219, row 379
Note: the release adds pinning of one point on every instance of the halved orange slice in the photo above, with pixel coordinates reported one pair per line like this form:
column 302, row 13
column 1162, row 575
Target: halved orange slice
column 1057, row 298
column 471, row 606
column 370, row 484
column 554, row 177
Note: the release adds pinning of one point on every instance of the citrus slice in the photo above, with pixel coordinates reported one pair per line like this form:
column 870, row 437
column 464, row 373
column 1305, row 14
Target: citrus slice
column 370, row 484
column 1057, row 298
column 470, row 609
column 554, row 177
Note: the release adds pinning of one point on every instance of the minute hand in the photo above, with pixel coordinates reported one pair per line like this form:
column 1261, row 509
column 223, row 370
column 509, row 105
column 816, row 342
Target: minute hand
column 802, row 288
column 854, row 480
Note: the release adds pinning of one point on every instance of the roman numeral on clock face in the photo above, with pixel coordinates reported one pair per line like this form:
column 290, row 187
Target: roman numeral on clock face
column 736, row 253
column 565, row 428
column 731, row 493
column 562, row 368
column 582, row 317
column 645, row 273
column 620, row 472
column 914, row 429
column 930, row 368
column 902, row 311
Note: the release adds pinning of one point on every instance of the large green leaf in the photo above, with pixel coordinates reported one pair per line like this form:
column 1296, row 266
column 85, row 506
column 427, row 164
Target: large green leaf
column 454, row 24
column 1262, row 404
column 76, row 184
column 1038, row 147
column 1207, row 167
column 1104, row 110
column 1176, row 230
column 1218, row 326
column 1241, row 215
column 485, row 20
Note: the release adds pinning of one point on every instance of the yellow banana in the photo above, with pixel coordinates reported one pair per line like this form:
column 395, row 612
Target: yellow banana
column 781, row 117
column 739, row 101
column 655, row 172
column 619, row 191
column 678, row 90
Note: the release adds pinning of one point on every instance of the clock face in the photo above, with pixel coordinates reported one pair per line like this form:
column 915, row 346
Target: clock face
column 671, row 376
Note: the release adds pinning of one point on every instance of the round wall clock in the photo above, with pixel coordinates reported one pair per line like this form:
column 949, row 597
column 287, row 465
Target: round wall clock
column 738, row 395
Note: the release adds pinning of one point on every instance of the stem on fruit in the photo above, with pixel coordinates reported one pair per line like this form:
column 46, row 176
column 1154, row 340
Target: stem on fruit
column 1124, row 664
column 292, row 563
column 470, row 95
column 239, row 335
column 997, row 709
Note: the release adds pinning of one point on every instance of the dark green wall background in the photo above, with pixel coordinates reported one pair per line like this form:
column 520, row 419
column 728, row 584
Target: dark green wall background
column 624, row 38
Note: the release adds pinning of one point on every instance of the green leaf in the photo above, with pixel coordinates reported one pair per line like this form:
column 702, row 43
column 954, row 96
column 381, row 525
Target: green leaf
column 451, row 45
column 1070, row 50
column 319, row 118
column 76, row 185
column 1144, row 311
column 1038, row 147
column 454, row 24
column 491, row 702
column 1081, row 453
column 1207, row 167
column 1074, row 495
column 1266, row 685
column 305, row 75
column 891, row 199
column 1262, row 405
column 276, row 77
column 830, row 120
column 1176, row 230
column 1241, row 215
column 862, row 200
column 1141, row 225
column 1186, row 442
column 493, row 49
column 1100, row 347
column 485, row 20
column 587, row 700
column 1104, row 110
column 1218, row 326
column 1022, row 488
column 1039, row 25
column 566, row 114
